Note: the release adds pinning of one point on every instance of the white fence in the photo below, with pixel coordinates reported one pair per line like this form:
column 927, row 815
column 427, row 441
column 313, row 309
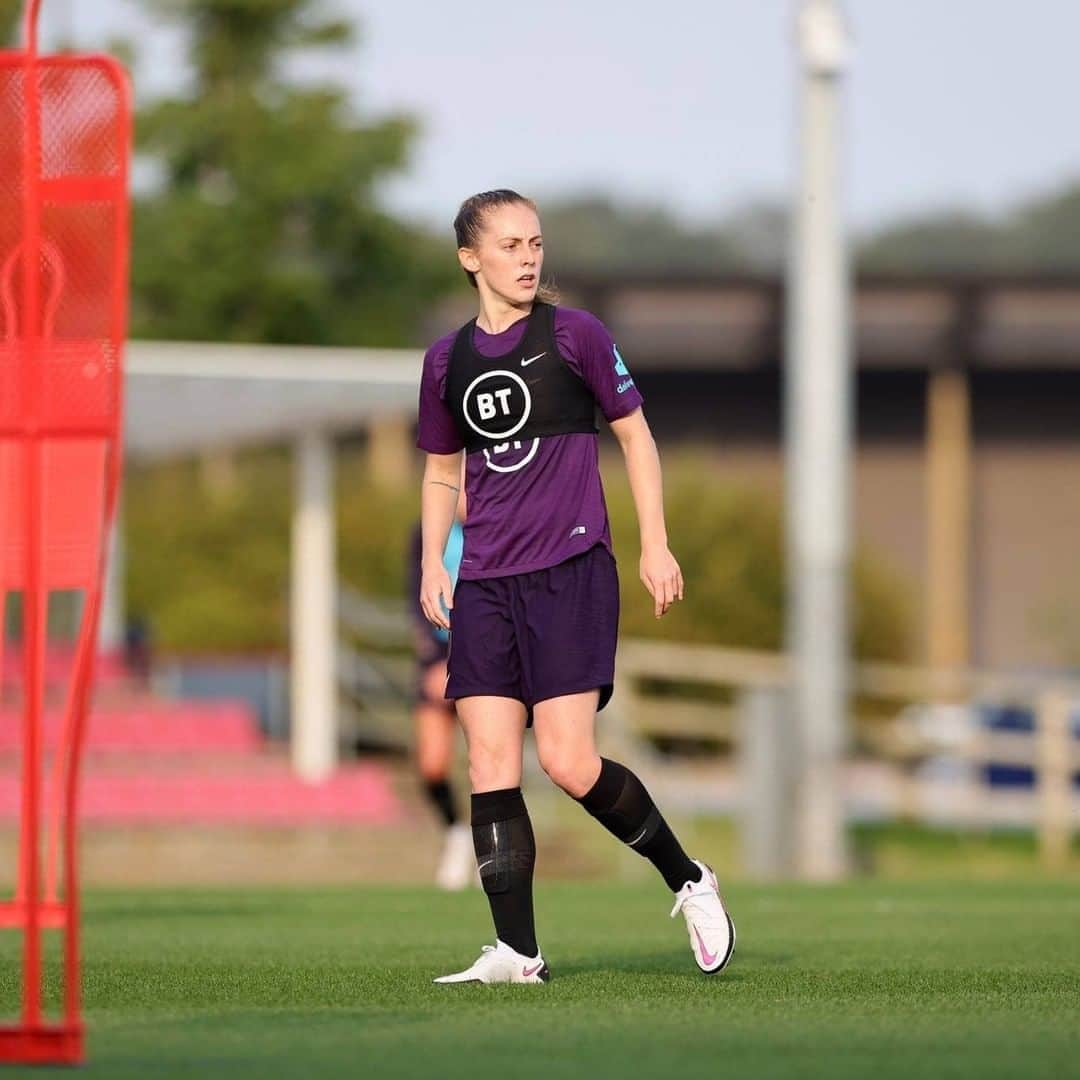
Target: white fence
column 756, row 723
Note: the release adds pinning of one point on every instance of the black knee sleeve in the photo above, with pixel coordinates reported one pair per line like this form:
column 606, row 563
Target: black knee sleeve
column 620, row 802
column 503, row 839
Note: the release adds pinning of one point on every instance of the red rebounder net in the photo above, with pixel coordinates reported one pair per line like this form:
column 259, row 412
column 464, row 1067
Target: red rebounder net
column 65, row 136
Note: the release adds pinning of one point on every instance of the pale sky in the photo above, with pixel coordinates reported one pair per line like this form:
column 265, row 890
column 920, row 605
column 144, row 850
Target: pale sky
column 949, row 102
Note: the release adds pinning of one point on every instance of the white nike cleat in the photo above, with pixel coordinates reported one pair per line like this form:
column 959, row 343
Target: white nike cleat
column 499, row 963
column 457, row 865
column 712, row 933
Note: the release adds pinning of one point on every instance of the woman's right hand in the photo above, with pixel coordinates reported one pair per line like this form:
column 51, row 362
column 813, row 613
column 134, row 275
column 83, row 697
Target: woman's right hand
column 435, row 591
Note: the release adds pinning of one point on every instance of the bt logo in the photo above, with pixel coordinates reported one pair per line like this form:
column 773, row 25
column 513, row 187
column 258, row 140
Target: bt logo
column 485, row 403
column 509, row 455
column 497, row 404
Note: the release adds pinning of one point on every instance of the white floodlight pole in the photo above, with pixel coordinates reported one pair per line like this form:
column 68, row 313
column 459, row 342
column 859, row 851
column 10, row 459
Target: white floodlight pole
column 818, row 408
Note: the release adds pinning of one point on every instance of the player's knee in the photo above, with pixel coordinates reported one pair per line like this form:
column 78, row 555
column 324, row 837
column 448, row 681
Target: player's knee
column 574, row 772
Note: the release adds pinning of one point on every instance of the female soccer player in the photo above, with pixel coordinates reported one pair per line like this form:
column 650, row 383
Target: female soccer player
column 434, row 719
column 535, row 611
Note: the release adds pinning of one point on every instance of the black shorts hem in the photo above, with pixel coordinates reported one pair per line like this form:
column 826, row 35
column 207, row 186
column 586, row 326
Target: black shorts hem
column 471, row 691
column 482, row 691
column 606, row 690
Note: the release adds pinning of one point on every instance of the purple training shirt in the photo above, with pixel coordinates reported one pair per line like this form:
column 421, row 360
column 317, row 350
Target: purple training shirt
column 532, row 503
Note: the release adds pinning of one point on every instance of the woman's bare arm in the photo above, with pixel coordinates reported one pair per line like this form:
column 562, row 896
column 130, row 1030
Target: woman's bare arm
column 438, row 505
column 660, row 573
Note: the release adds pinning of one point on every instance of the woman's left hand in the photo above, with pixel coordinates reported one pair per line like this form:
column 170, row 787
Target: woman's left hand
column 661, row 575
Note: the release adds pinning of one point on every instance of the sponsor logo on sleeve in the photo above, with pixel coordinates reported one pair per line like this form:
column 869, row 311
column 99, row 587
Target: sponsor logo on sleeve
column 621, row 369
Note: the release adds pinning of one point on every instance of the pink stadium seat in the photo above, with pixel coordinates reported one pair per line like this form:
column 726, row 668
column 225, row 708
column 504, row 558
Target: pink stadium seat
column 153, row 727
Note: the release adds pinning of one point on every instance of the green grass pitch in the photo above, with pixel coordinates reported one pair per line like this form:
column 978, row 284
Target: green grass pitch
column 872, row 980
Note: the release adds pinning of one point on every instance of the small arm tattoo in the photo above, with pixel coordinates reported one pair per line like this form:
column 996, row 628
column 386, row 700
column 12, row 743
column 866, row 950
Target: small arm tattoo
column 443, row 483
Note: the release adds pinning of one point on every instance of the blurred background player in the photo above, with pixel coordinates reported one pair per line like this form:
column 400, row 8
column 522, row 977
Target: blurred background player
column 434, row 717
column 535, row 611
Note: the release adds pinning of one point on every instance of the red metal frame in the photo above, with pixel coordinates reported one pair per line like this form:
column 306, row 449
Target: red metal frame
column 65, row 236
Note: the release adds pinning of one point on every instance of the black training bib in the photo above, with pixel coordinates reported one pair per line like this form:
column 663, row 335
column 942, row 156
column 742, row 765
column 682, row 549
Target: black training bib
column 522, row 395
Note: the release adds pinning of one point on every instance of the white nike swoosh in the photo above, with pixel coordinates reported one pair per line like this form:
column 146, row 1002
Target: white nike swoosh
column 526, row 363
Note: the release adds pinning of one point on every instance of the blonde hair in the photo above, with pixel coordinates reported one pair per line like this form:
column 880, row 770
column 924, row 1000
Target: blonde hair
column 469, row 224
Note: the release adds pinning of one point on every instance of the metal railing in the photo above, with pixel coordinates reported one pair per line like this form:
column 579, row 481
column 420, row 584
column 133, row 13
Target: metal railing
column 374, row 683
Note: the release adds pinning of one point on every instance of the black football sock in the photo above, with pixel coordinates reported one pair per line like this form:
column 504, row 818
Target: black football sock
column 441, row 796
column 619, row 801
column 506, row 854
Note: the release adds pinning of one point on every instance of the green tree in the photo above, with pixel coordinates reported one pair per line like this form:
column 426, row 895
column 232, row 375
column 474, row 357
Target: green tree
column 211, row 572
column 1039, row 235
column 1045, row 232
column 595, row 233
column 10, row 10
column 940, row 242
column 264, row 225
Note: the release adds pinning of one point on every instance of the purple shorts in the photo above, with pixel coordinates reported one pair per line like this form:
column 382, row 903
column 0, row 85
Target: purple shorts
column 538, row 635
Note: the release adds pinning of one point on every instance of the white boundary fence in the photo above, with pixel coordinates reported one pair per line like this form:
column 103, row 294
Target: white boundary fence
column 758, row 722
